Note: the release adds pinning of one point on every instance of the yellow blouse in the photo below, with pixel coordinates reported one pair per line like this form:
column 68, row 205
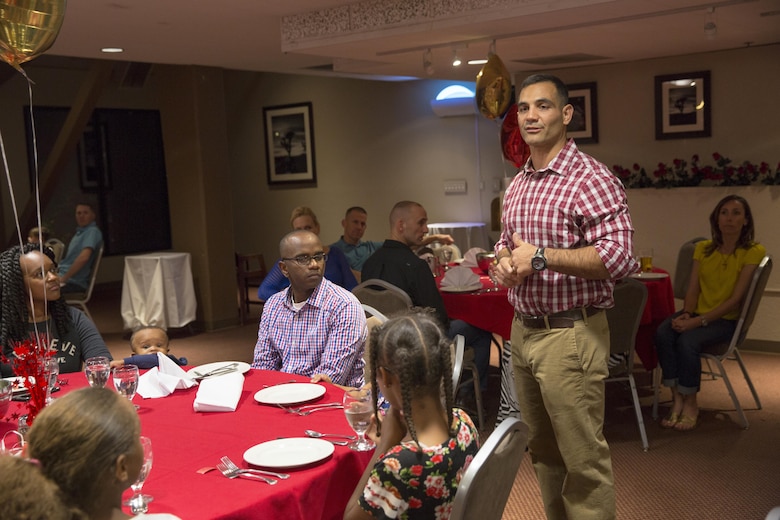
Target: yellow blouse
column 718, row 274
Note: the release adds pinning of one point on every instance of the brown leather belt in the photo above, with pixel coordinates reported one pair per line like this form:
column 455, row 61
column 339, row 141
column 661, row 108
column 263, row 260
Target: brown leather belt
column 559, row 320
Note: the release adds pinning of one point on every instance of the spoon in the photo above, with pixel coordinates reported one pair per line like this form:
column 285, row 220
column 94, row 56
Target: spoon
column 317, row 435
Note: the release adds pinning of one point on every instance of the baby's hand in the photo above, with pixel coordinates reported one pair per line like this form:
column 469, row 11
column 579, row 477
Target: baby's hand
column 116, row 363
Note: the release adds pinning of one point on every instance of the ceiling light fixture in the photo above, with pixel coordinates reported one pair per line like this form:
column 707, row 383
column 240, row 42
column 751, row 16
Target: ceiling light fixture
column 710, row 25
column 428, row 62
column 455, row 59
column 112, row 50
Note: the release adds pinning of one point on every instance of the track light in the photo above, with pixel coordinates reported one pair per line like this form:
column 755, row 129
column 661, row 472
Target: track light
column 710, row 27
column 428, row 62
column 455, row 59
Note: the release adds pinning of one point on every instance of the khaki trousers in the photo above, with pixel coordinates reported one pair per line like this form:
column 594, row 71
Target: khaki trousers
column 559, row 376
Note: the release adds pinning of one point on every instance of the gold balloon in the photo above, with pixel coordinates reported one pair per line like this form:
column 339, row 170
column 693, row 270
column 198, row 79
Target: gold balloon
column 28, row 28
column 494, row 88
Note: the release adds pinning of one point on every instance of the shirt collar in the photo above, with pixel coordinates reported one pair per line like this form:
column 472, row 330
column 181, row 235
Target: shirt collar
column 559, row 164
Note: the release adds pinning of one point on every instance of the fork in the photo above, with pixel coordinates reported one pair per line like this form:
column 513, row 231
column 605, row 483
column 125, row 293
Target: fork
column 229, row 473
column 232, row 367
column 312, row 410
column 303, row 408
column 229, row 464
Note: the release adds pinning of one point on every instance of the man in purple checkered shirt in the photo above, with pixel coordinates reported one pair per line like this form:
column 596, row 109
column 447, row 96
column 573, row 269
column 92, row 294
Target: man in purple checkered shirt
column 314, row 327
column 567, row 235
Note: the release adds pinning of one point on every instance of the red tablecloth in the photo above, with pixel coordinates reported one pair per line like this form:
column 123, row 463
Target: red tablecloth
column 184, row 441
column 487, row 310
column 659, row 306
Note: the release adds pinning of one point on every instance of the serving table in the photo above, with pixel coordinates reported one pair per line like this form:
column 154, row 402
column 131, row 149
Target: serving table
column 157, row 290
column 465, row 234
column 185, row 441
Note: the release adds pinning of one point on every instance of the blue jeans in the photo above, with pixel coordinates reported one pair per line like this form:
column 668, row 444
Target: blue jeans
column 478, row 339
column 678, row 353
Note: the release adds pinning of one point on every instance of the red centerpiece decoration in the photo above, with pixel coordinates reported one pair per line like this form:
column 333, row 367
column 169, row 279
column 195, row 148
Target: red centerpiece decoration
column 30, row 365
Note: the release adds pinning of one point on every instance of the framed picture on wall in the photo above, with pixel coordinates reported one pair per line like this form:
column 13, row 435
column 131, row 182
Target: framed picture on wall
column 289, row 144
column 682, row 105
column 584, row 125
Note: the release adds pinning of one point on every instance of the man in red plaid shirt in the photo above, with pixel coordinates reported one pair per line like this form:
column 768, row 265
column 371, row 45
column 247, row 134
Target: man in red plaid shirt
column 567, row 235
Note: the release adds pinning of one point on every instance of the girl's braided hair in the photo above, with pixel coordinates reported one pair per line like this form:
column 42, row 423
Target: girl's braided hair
column 14, row 313
column 414, row 347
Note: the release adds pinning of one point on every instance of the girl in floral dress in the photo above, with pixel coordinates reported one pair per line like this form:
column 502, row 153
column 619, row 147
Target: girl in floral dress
column 423, row 445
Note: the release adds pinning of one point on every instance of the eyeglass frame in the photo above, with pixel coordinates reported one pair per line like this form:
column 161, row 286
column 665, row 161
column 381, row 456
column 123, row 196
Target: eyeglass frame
column 305, row 260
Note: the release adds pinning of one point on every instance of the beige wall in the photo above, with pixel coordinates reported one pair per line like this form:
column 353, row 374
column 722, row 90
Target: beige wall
column 377, row 143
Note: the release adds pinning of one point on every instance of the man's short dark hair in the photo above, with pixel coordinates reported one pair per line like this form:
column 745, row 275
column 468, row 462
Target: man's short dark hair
column 355, row 208
column 560, row 86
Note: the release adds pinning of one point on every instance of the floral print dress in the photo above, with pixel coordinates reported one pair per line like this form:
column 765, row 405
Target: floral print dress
column 408, row 486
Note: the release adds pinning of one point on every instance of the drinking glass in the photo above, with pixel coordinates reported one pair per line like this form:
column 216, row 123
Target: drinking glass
column 52, row 373
column 139, row 503
column 492, row 275
column 97, row 370
column 646, row 260
column 358, row 407
column 446, row 255
column 126, row 381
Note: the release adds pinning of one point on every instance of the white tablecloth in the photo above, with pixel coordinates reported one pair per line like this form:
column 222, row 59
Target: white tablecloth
column 157, row 290
column 465, row 234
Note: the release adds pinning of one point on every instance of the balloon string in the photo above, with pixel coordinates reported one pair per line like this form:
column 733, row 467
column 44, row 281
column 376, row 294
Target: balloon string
column 37, row 189
column 14, row 206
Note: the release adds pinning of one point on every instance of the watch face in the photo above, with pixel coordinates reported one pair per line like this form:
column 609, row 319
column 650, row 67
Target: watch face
column 538, row 263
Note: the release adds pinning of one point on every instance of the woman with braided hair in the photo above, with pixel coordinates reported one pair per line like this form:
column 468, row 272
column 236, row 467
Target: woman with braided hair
column 30, row 303
column 423, row 444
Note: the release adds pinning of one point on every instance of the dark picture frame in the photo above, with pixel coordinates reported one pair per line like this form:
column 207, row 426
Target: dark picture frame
column 289, row 144
column 584, row 125
column 683, row 106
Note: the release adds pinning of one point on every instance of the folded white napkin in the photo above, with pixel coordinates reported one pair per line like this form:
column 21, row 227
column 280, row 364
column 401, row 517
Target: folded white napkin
column 220, row 393
column 461, row 277
column 470, row 258
column 163, row 379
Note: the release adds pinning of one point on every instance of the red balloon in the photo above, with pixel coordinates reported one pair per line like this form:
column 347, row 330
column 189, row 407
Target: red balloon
column 515, row 149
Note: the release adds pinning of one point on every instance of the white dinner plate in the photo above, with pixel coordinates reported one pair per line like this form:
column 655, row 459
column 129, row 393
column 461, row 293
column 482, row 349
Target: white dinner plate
column 18, row 388
column 289, row 393
column 460, row 289
column 208, row 367
column 649, row 276
column 289, row 453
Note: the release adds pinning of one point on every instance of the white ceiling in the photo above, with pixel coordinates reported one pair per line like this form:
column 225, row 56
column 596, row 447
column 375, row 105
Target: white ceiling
column 246, row 34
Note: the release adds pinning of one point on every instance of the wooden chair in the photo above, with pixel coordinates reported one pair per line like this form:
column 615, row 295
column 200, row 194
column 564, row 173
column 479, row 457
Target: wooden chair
column 80, row 299
column 250, row 271
column 487, row 482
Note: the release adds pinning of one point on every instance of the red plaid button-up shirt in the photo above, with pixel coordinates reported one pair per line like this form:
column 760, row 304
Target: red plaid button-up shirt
column 573, row 202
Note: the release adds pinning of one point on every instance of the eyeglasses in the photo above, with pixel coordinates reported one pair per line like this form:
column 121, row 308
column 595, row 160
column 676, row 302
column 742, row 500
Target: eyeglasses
column 304, row 260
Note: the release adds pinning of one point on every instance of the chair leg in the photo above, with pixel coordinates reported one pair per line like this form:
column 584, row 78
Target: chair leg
column 749, row 381
column 639, row 419
column 656, row 390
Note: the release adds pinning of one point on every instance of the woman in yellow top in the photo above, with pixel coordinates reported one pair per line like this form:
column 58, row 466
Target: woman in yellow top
column 721, row 273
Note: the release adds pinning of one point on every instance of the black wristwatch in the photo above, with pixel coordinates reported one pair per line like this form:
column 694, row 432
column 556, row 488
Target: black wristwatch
column 538, row 261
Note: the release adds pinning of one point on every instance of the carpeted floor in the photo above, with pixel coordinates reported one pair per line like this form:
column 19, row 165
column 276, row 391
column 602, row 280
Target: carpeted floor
column 717, row 471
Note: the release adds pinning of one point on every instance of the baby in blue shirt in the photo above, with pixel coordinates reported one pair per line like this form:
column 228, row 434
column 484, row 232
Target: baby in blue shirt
column 145, row 343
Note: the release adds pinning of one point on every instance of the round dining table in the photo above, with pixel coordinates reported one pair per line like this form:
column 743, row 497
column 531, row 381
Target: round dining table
column 186, row 442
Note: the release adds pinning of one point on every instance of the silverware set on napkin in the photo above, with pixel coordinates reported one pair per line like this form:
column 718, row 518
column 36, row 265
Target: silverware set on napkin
column 221, row 371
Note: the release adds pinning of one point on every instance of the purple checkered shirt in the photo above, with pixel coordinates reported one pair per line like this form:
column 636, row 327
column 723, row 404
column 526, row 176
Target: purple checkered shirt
column 574, row 202
column 326, row 336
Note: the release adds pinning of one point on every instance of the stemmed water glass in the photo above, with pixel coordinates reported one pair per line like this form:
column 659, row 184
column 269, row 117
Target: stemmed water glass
column 139, row 503
column 446, row 256
column 126, row 381
column 492, row 275
column 358, row 407
column 97, row 370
